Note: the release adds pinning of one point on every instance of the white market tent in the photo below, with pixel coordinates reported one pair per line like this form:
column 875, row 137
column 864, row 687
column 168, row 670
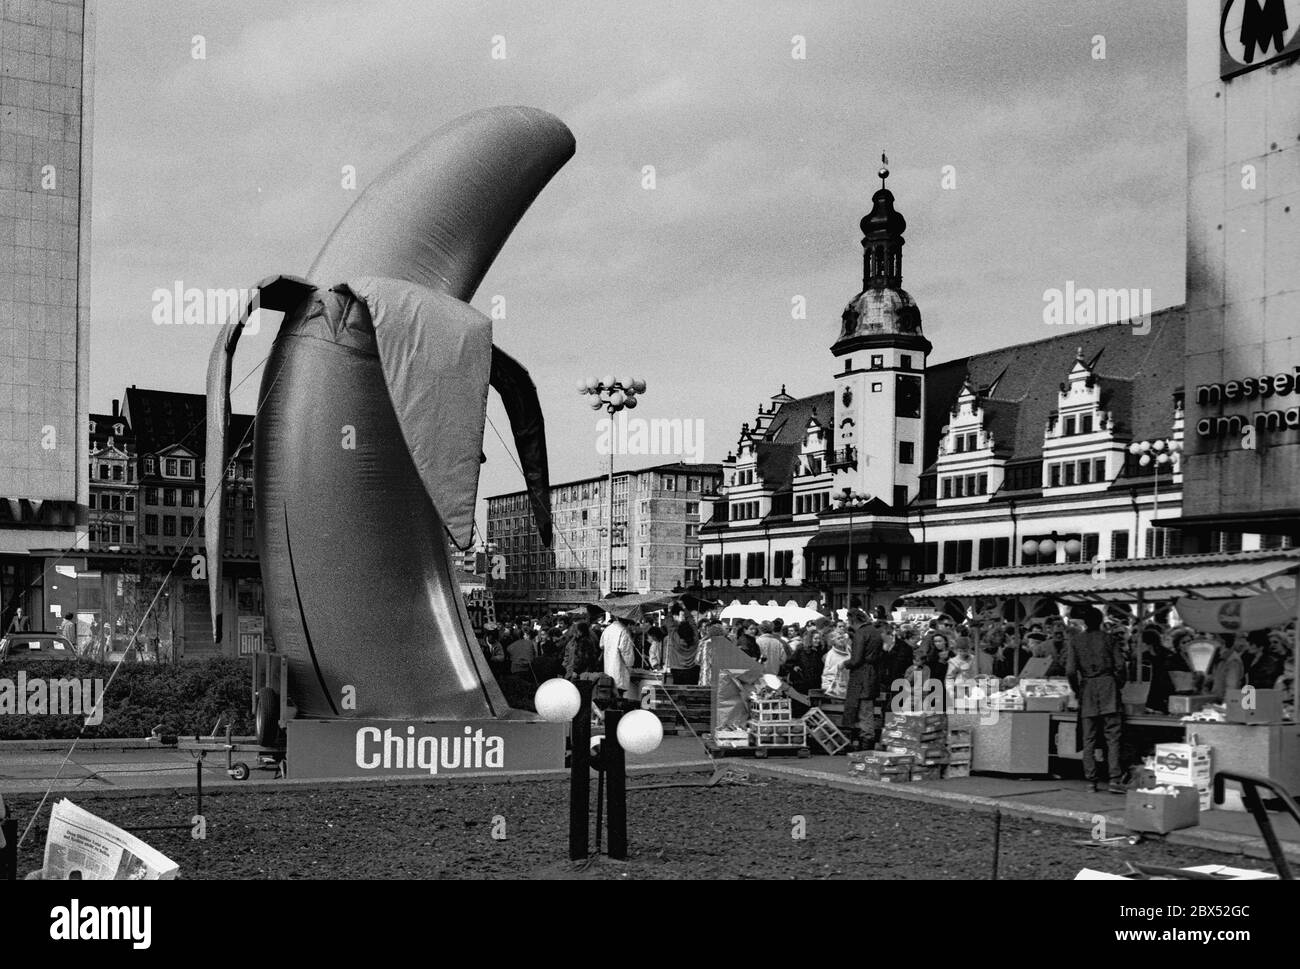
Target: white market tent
column 789, row 613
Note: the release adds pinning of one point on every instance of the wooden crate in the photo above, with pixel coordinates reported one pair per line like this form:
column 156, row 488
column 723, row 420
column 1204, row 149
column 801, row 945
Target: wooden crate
column 679, row 707
column 822, row 730
column 778, row 733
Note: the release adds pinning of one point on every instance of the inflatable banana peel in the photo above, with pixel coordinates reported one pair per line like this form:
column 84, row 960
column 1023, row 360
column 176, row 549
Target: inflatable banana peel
column 369, row 428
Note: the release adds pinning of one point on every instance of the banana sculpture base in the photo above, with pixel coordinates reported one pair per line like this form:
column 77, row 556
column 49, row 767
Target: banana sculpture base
column 329, row 749
column 369, row 430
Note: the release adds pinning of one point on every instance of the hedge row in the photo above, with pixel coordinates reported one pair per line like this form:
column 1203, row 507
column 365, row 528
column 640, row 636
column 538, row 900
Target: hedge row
column 185, row 699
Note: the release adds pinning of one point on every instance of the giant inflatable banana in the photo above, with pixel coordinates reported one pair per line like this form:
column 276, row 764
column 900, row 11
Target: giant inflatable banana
column 369, row 428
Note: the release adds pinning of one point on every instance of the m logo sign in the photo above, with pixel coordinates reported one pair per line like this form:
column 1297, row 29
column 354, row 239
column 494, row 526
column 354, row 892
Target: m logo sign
column 1253, row 33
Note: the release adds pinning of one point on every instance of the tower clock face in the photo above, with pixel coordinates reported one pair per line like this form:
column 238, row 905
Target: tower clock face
column 847, row 397
column 907, row 399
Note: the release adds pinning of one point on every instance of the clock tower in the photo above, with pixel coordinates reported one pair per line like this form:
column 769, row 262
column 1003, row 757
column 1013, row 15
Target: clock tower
column 880, row 373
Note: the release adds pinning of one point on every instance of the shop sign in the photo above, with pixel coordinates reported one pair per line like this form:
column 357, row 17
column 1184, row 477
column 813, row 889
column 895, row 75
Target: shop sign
column 250, row 634
column 1253, row 33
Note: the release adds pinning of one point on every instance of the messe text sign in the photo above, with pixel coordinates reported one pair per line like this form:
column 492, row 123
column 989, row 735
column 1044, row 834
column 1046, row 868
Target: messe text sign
column 416, row 748
column 1248, row 389
column 1253, row 33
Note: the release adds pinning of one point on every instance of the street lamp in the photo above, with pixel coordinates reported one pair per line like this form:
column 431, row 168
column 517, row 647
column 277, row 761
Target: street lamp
column 850, row 499
column 627, row 728
column 1158, row 452
column 613, row 395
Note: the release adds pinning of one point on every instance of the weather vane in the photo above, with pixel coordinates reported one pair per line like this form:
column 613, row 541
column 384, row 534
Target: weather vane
column 884, row 171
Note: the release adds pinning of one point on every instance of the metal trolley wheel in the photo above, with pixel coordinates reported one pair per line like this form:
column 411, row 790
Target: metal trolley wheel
column 239, row 771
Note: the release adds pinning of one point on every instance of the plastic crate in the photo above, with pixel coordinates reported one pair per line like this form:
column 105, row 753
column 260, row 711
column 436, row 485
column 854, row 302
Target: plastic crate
column 778, row 733
column 770, row 711
column 824, row 732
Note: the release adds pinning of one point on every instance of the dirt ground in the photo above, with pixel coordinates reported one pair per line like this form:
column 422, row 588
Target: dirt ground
column 677, row 832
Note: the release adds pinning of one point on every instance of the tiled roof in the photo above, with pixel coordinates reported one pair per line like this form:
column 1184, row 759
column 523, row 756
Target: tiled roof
column 1138, row 374
column 165, row 418
column 778, row 451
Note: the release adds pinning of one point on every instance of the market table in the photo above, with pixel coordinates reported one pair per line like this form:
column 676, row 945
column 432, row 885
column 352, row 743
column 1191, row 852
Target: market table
column 1166, row 728
column 1269, row 750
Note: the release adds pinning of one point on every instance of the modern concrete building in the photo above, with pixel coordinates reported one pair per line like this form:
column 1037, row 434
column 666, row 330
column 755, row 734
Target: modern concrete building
column 1242, row 373
column 46, row 72
column 656, row 543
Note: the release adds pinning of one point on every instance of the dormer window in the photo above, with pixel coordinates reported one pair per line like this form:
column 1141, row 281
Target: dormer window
column 118, row 430
column 1069, row 427
column 92, row 427
column 972, row 441
column 187, row 468
column 1085, row 424
column 149, row 466
column 959, row 443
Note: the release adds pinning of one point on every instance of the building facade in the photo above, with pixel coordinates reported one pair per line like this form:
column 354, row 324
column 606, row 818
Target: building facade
column 907, row 473
column 114, row 519
column 656, row 543
column 46, row 71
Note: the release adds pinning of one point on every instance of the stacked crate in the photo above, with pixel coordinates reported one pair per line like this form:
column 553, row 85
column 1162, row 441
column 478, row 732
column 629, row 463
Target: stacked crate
column 959, row 753
column 772, row 724
column 922, row 736
column 881, row 765
column 680, row 708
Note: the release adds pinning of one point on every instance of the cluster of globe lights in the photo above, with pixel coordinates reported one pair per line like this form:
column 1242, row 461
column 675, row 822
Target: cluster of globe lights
column 639, row 731
column 1161, row 452
column 1048, row 547
column 613, row 394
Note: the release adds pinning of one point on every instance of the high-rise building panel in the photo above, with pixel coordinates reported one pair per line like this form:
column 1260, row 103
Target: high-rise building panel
column 46, row 61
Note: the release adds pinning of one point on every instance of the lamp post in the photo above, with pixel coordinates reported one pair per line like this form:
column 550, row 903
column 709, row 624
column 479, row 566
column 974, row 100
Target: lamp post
column 1158, row 452
column 613, row 395
column 850, row 499
column 627, row 728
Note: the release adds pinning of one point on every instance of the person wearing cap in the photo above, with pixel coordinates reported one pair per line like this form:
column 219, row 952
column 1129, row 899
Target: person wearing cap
column 1094, row 664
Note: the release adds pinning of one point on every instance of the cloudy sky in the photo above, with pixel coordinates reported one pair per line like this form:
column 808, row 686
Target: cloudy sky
column 216, row 172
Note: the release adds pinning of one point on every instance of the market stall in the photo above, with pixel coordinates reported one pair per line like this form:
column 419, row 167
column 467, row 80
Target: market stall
column 1212, row 593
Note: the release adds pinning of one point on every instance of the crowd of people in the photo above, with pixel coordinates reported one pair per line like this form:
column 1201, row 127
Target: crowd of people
column 864, row 659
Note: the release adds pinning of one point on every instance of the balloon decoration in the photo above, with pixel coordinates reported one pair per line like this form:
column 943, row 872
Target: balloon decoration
column 369, row 428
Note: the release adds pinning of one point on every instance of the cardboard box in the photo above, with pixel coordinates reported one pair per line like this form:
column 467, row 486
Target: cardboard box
column 1182, row 705
column 1182, row 758
column 1045, row 704
column 1255, row 706
column 1160, row 812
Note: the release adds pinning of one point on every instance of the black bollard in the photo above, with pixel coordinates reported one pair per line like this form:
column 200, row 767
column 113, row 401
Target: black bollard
column 580, row 774
column 616, row 784
column 9, row 853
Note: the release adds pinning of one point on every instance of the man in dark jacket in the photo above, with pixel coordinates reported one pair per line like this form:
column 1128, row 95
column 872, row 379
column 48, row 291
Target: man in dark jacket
column 864, row 664
column 1094, row 664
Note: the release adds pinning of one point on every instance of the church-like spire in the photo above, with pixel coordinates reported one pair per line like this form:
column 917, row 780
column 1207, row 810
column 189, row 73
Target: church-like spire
column 882, row 238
